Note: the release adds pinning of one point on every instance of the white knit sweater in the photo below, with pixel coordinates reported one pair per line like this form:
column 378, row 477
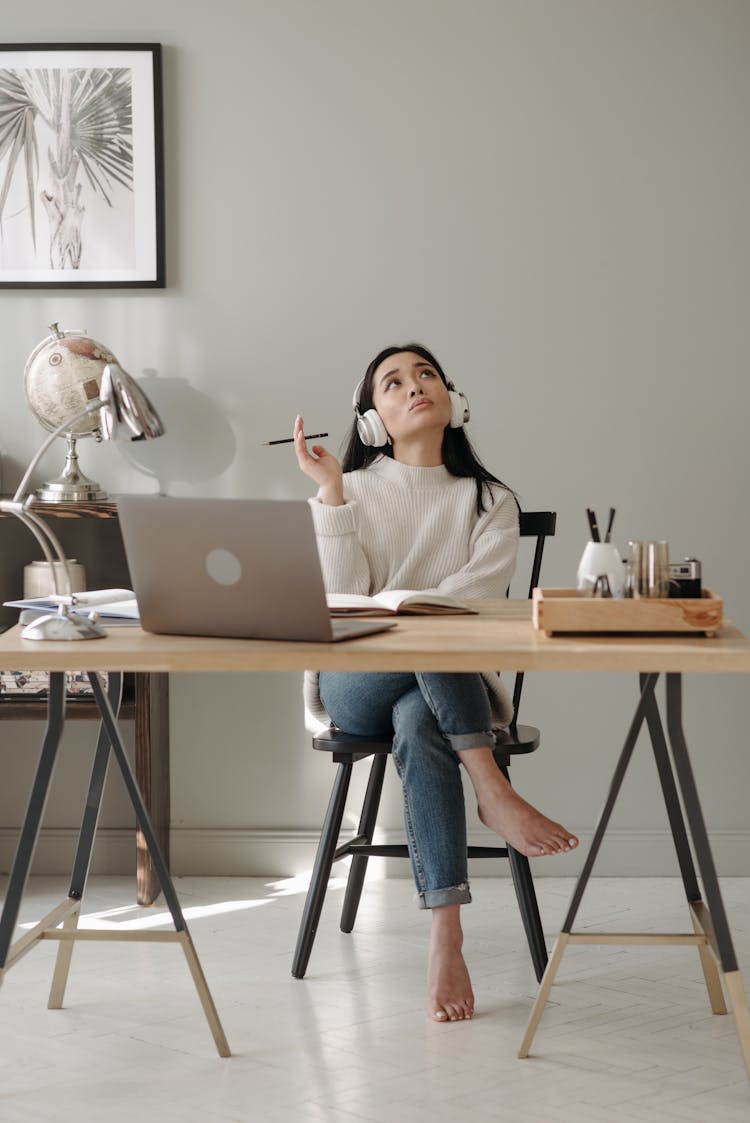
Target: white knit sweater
column 402, row 527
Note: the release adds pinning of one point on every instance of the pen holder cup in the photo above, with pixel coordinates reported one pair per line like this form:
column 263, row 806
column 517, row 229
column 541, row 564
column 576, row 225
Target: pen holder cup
column 647, row 569
column 601, row 559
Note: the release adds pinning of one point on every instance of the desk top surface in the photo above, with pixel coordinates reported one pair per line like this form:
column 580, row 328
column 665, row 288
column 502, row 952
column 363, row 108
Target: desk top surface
column 501, row 638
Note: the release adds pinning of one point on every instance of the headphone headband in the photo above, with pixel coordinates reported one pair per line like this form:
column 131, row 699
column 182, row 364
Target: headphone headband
column 372, row 431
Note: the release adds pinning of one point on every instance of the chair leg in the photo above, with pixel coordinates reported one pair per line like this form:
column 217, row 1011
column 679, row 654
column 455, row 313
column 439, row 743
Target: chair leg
column 524, row 885
column 358, row 868
column 321, row 870
column 527, row 904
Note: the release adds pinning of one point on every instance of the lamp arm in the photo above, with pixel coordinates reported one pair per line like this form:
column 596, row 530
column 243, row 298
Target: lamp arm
column 33, row 520
column 41, row 533
column 61, row 624
column 92, row 407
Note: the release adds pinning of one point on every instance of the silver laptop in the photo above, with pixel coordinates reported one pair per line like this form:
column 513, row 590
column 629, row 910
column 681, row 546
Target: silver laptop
column 247, row 568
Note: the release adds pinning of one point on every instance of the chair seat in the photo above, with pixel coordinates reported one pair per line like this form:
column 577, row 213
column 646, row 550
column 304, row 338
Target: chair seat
column 518, row 739
column 351, row 746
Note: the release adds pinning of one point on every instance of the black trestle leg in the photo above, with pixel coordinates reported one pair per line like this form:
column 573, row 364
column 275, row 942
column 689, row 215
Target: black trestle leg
column 648, row 685
column 34, row 813
column 671, row 799
column 91, row 810
column 141, row 813
column 696, row 822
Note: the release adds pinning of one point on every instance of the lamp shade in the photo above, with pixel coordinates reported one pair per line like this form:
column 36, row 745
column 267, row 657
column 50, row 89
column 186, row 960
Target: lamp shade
column 126, row 413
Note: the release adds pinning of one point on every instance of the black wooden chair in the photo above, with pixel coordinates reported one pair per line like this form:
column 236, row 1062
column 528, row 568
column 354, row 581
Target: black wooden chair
column 346, row 749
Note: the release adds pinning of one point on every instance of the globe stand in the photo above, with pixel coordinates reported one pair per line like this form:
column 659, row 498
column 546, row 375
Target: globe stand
column 71, row 486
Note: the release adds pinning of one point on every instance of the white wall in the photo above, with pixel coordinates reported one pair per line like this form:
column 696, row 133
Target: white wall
column 553, row 195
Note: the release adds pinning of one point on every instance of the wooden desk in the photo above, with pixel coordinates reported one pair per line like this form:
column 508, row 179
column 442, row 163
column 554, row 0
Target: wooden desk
column 500, row 637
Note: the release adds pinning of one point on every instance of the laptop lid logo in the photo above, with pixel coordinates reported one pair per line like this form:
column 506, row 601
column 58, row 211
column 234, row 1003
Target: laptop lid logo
column 223, row 567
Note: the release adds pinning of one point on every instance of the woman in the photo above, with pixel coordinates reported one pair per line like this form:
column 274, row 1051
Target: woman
column 413, row 508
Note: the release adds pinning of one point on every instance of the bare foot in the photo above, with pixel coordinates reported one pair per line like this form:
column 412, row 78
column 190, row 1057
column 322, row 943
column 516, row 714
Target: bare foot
column 449, row 994
column 504, row 812
column 521, row 825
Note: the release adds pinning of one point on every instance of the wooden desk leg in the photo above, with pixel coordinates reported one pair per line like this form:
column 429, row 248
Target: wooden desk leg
column 566, row 935
column 710, row 924
column 152, row 773
column 718, row 918
column 161, row 871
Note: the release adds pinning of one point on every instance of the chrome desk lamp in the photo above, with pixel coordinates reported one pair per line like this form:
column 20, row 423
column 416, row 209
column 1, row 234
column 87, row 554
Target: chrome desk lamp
column 125, row 413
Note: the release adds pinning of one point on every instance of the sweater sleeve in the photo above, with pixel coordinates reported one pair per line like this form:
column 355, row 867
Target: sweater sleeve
column 492, row 553
column 343, row 561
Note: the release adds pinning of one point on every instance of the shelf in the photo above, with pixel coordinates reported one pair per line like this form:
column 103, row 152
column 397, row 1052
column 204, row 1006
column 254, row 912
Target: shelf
column 75, row 708
column 104, row 510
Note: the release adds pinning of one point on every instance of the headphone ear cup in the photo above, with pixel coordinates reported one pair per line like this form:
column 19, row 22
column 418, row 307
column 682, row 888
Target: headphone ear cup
column 459, row 409
column 371, row 429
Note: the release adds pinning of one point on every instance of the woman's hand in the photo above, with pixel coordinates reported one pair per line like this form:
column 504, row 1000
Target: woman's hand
column 323, row 468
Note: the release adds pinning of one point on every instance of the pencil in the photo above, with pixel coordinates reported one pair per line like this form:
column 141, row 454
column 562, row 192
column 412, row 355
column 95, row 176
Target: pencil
column 593, row 525
column 609, row 524
column 290, row 440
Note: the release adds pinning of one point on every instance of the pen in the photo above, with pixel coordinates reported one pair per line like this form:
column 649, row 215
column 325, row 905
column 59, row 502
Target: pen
column 290, row 440
column 609, row 524
column 593, row 525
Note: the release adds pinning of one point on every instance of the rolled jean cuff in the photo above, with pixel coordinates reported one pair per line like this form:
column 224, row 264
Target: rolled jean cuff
column 459, row 741
column 435, row 898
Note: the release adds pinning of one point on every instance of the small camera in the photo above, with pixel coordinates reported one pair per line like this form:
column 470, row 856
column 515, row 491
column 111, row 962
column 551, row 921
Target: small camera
column 685, row 578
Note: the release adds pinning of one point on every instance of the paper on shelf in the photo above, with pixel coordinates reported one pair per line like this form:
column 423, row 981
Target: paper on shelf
column 112, row 603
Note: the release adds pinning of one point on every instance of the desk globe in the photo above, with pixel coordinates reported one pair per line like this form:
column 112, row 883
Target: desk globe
column 62, row 374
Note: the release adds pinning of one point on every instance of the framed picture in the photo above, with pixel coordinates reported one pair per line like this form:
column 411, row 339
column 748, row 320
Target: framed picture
column 81, row 166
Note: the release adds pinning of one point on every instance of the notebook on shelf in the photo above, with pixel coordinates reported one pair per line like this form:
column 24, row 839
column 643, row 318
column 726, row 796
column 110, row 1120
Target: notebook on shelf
column 247, row 568
column 113, row 607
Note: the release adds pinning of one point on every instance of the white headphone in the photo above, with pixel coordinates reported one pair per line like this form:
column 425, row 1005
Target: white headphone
column 370, row 425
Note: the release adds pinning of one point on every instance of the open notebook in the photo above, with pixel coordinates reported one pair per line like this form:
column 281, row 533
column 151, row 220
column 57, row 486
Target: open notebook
column 230, row 567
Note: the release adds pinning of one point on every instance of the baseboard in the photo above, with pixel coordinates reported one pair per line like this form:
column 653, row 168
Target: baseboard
column 289, row 853
column 636, row 853
column 114, row 851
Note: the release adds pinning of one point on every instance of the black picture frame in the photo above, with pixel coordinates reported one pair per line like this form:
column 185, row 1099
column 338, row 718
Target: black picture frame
column 81, row 166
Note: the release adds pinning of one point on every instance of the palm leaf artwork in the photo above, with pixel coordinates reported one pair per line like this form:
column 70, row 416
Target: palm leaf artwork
column 89, row 112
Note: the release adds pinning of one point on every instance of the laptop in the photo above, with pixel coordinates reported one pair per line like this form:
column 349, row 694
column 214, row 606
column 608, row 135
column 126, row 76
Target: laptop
column 247, row 568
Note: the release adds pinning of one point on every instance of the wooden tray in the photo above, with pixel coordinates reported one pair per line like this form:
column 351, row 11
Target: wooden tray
column 567, row 610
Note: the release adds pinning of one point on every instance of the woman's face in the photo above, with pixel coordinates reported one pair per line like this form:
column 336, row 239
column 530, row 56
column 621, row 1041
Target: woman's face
column 410, row 396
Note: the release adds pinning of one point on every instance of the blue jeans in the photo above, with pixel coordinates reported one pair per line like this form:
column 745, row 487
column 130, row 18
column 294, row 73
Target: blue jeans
column 431, row 717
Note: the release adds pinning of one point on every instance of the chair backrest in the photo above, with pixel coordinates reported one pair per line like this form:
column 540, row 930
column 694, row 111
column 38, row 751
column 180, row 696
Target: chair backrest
column 540, row 525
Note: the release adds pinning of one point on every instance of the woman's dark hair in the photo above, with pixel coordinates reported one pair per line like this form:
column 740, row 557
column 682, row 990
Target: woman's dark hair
column 458, row 455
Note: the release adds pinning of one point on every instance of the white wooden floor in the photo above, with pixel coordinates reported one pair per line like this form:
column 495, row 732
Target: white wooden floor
column 628, row 1036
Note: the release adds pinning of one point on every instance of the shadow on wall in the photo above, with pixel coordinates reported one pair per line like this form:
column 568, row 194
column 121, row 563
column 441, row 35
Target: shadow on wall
column 198, row 444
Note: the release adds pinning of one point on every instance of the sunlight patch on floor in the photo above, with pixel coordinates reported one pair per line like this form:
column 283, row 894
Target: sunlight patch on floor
column 114, row 919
